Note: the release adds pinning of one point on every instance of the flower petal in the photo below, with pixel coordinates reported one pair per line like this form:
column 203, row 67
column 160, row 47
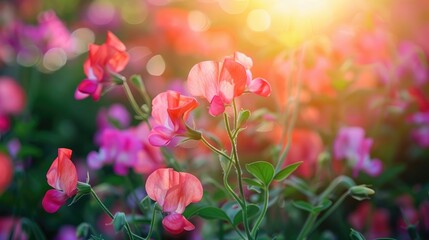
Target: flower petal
column 216, row 106
column 62, row 174
column 203, row 80
column 260, row 86
column 176, row 223
column 233, row 75
column 53, row 200
column 88, row 86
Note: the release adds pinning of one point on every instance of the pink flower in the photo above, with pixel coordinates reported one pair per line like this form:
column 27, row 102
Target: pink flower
column 258, row 86
column 170, row 110
column 62, row 176
column 6, row 172
column 12, row 97
column 173, row 191
column 218, row 82
column 128, row 148
column 103, row 60
column 351, row 144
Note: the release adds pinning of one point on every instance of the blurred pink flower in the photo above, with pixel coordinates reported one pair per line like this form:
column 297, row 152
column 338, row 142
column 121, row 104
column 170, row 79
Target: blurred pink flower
column 103, row 60
column 128, row 148
column 66, row 232
column 116, row 116
column 6, row 172
column 62, row 176
column 12, row 97
column 170, row 110
column 374, row 223
column 173, row 191
column 218, row 82
column 351, row 145
column 9, row 225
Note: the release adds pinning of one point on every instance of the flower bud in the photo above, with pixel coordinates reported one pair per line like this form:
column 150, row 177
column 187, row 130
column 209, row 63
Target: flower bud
column 361, row 192
column 83, row 188
column 119, row 221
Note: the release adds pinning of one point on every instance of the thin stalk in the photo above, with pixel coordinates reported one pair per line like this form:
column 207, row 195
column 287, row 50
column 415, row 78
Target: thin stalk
column 262, row 215
column 214, row 149
column 152, row 223
column 330, row 211
column 239, row 175
column 132, row 100
column 307, row 226
column 131, row 235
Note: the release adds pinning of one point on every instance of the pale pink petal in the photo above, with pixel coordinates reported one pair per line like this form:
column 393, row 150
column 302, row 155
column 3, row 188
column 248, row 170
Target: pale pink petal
column 260, row 86
column 79, row 95
column 158, row 183
column 53, row 200
column 243, row 60
column 216, row 106
column 161, row 136
column 181, row 195
column 176, row 223
column 203, row 80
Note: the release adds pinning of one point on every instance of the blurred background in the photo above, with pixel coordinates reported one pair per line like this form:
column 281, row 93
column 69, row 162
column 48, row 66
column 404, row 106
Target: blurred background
column 339, row 64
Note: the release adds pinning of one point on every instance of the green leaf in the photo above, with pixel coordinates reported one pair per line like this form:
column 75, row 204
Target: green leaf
column 323, row 205
column 253, row 182
column 252, row 210
column 355, row 235
column 31, row 227
column 263, row 171
column 212, row 213
column 288, row 170
column 303, row 206
column 145, row 203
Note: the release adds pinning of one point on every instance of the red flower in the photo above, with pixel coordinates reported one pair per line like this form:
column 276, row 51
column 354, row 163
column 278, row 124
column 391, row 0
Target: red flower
column 103, row 60
column 62, row 176
column 170, row 110
column 173, row 191
column 218, row 82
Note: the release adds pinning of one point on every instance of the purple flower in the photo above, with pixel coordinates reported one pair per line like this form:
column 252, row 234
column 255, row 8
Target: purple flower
column 351, row 145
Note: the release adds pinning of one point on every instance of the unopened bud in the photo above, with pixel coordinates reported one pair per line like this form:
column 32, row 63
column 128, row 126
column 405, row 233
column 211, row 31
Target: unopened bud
column 119, row 221
column 361, row 192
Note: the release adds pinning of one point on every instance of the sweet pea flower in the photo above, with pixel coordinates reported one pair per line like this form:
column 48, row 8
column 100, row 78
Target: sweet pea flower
column 170, row 110
column 108, row 58
column 258, row 86
column 62, row 176
column 351, row 144
column 173, row 191
column 6, row 172
column 218, row 82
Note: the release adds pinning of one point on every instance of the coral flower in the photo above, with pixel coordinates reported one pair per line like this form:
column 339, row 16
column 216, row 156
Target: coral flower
column 173, row 191
column 258, row 86
column 103, row 60
column 218, row 82
column 170, row 110
column 62, row 176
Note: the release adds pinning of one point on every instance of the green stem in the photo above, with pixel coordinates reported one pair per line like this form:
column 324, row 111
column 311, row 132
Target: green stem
column 132, row 100
column 330, row 211
column 152, row 223
column 106, row 210
column 262, row 215
column 239, row 174
column 307, row 226
column 334, row 184
column 214, row 149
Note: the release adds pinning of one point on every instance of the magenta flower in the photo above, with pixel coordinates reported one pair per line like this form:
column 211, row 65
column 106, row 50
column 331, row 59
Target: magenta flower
column 62, row 176
column 173, row 191
column 170, row 110
column 103, row 60
column 351, row 145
